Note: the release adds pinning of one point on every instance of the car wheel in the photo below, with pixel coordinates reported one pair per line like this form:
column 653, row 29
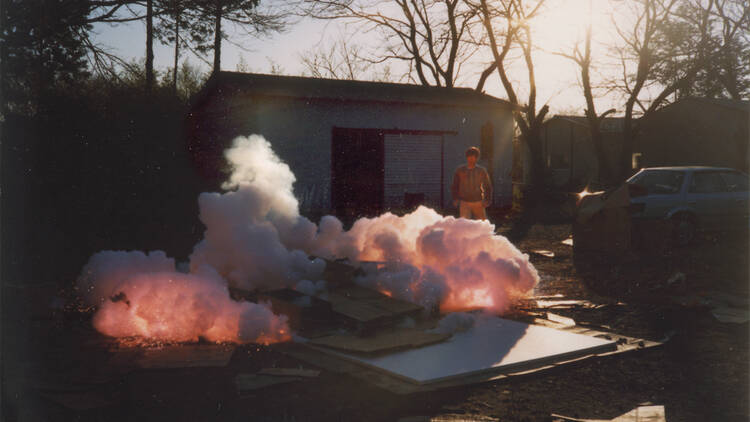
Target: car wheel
column 684, row 229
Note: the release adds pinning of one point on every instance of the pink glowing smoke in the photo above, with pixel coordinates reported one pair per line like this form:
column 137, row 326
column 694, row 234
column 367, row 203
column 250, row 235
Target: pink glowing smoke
column 255, row 239
column 432, row 260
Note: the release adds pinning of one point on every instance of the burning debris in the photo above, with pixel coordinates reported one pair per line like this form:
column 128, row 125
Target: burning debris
column 255, row 240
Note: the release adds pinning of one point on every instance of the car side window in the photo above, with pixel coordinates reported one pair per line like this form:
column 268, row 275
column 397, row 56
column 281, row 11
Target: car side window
column 660, row 182
column 707, row 182
column 735, row 181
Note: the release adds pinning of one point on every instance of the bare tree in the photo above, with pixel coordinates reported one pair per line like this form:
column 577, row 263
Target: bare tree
column 433, row 37
column 513, row 17
column 662, row 53
column 727, row 70
column 244, row 14
column 582, row 57
column 343, row 60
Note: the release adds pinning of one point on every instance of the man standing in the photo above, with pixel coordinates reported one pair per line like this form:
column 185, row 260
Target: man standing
column 471, row 188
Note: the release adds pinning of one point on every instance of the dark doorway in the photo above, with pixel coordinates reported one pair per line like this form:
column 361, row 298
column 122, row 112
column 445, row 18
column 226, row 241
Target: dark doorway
column 357, row 171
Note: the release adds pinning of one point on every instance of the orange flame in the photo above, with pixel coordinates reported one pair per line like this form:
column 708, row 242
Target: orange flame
column 176, row 307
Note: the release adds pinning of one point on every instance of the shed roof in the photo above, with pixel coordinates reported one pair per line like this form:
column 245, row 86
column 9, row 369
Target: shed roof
column 346, row 90
column 609, row 124
column 741, row 105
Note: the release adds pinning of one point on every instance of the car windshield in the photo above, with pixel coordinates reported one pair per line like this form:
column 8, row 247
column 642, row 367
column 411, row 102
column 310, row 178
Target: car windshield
column 659, row 181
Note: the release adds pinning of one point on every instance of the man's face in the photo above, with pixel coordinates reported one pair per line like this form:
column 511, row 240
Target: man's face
column 471, row 160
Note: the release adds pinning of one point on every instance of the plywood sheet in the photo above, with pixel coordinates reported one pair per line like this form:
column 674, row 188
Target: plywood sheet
column 492, row 345
column 366, row 305
column 384, row 341
column 357, row 309
column 186, row 356
column 395, row 306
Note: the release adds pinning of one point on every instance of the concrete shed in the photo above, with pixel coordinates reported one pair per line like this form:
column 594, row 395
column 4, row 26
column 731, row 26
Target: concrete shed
column 356, row 148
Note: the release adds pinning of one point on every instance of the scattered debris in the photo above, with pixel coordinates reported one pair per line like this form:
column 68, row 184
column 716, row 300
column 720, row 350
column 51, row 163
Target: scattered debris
column 544, row 253
column 676, row 279
column 290, row 372
column 678, row 276
column 692, row 301
column 727, row 314
column 564, row 303
column 643, row 414
column 449, row 418
column 720, row 299
column 186, row 356
column 84, row 400
column 568, row 322
column 639, row 414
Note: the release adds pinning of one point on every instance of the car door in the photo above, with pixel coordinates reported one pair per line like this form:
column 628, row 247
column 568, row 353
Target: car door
column 664, row 192
column 739, row 201
column 708, row 196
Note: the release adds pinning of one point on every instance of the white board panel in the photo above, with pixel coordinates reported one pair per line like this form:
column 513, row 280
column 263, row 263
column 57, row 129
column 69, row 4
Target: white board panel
column 492, row 345
column 413, row 164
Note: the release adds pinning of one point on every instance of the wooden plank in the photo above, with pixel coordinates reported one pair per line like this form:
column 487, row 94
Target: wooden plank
column 358, row 310
column 384, row 341
column 354, row 291
column 395, row 306
column 367, row 305
column 568, row 322
column 643, row 414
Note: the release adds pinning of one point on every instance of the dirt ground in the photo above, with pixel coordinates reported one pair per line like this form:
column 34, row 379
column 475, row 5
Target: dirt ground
column 56, row 367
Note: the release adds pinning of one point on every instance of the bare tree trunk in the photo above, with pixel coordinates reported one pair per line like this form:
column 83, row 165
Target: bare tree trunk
column 149, row 45
column 594, row 120
column 217, row 37
column 176, row 49
column 3, row 62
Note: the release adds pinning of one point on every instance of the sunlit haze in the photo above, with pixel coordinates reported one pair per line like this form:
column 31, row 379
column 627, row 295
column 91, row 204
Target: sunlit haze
column 556, row 30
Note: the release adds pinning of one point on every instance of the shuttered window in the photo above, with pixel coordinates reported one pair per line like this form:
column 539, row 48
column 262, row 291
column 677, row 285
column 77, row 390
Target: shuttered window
column 413, row 167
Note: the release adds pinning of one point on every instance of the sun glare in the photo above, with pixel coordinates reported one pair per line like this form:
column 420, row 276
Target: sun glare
column 565, row 21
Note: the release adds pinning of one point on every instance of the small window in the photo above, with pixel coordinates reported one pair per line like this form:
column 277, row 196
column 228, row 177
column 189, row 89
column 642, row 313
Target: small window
column 735, row 181
column 636, row 160
column 707, row 182
column 659, row 182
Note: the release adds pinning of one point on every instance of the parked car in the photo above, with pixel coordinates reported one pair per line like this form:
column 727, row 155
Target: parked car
column 693, row 198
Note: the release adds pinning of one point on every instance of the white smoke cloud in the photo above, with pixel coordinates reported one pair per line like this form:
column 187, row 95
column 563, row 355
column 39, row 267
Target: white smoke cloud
column 456, row 263
column 143, row 295
column 256, row 239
